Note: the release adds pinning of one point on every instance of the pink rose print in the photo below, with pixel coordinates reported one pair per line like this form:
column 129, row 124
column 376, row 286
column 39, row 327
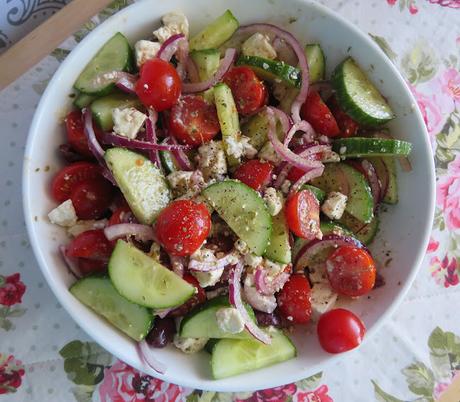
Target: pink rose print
column 447, row 3
column 277, row 394
column 318, row 395
column 450, row 83
column 11, row 289
column 445, row 271
column 443, row 386
column 410, row 4
column 122, row 383
column 433, row 245
column 11, row 373
column 448, row 194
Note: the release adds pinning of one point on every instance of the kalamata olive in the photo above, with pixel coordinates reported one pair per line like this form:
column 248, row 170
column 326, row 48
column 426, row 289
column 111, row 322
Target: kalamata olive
column 274, row 319
column 162, row 332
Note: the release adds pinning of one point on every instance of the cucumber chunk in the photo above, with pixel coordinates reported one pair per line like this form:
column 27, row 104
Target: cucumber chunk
column 201, row 321
column 279, row 248
column 140, row 181
column 358, row 97
column 385, row 167
column 236, row 356
column 243, row 210
column 272, row 70
column 364, row 232
column 142, row 280
column 99, row 294
column 356, row 147
column 216, row 33
column 316, row 62
column 256, row 130
column 114, row 55
column 83, row 100
column 168, row 162
column 207, row 61
column 102, row 108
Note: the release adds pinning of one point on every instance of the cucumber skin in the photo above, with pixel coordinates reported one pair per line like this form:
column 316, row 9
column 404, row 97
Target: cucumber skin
column 82, row 100
column 356, row 147
column 316, row 62
column 365, row 233
column 279, row 249
column 207, row 61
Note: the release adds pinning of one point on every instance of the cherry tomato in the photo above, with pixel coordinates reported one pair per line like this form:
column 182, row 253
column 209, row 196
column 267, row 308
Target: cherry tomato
column 198, row 298
column 351, row 271
column 91, row 198
column 348, row 127
column 254, row 173
column 92, row 245
column 182, row 227
column 76, row 133
column 340, row 330
column 315, row 111
column 69, row 176
column 159, row 85
column 122, row 214
column 302, row 214
column 193, row 121
column 249, row 92
column 88, row 267
column 294, row 300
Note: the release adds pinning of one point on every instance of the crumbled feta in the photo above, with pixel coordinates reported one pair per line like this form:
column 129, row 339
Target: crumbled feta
column 317, row 274
column 180, row 182
column 273, row 268
column 128, row 121
column 189, row 345
column 145, row 50
column 260, row 302
column 83, row 226
column 268, row 153
column 211, row 160
column 173, row 23
column 334, row 205
column 253, row 260
column 330, row 156
column 64, row 214
column 274, row 201
column 259, row 45
column 229, row 320
column 208, row 278
column 240, row 147
column 241, row 246
column 155, row 251
column 322, row 299
column 286, row 186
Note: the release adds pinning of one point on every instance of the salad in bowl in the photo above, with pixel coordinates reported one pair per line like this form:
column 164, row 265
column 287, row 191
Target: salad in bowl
column 221, row 190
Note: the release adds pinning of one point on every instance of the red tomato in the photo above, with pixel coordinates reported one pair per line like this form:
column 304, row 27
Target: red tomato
column 198, row 298
column 159, row 85
column 193, row 121
column 316, row 112
column 71, row 175
column 249, row 92
column 76, row 133
column 122, row 214
column 254, row 173
column 294, row 300
column 92, row 245
column 351, row 271
column 340, row 330
column 348, row 127
column 92, row 198
column 182, row 227
column 88, row 267
column 302, row 214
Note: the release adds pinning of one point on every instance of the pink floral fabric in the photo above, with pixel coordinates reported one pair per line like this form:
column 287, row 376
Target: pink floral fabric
column 448, row 194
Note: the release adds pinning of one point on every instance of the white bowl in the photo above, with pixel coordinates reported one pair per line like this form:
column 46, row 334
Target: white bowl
column 404, row 229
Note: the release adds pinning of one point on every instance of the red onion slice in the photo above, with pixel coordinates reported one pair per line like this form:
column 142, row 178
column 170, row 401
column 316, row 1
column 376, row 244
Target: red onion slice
column 225, row 65
column 181, row 157
column 300, row 126
column 269, row 288
column 127, row 83
column 284, row 52
column 147, row 355
column 192, row 71
column 178, row 264
column 139, row 231
column 310, row 175
column 235, row 299
column 373, row 180
column 206, row 266
column 170, row 47
column 282, row 175
column 70, row 262
column 118, row 140
column 150, row 136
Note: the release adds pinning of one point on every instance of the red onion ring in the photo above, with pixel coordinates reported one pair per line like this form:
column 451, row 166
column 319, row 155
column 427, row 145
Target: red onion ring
column 310, row 175
column 146, row 354
column 139, row 231
column 207, row 266
column 260, row 279
column 225, row 65
column 170, row 46
column 70, row 262
column 181, row 157
column 282, row 175
column 178, row 265
column 235, row 299
column 284, row 52
column 118, row 140
column 127, row 83
column 302, row 125
column 372, row 178
column 192, row 71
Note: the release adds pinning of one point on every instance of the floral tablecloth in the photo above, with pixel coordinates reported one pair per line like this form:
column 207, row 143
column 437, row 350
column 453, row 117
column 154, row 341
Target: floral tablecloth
column 45, row 356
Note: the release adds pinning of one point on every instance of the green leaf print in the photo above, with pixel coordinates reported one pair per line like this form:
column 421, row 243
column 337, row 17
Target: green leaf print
column 83, row 393
column 444, row 353
column 385, row 46
column 448, row 141
column 420, row 379
column 420, row 64
column 113, row 8
column 310, row 383
column 382, row 396
column 60, row 54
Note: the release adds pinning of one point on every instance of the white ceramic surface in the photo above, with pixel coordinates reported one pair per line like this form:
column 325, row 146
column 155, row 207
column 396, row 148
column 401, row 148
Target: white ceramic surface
column 404, row 229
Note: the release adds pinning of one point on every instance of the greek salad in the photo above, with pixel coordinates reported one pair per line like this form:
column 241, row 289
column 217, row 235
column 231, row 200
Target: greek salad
column 220, row 190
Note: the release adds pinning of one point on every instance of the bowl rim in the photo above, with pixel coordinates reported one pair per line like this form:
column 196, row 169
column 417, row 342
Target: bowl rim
column 26, row 175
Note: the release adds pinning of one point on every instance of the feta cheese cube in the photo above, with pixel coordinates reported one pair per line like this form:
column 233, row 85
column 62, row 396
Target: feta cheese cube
column 259, row 45
column 334, row 205
column 83, row 226
column 128, row 121
column 145, row 50
column 274, row 201
column 211, row 160
column 174, row 23
column 180, row 182
column 323, row 299
column 208, row 278
column 189, row 345
column 253, row 260
column 64, row 214
column 268, row 153
column 240, row 147
column 229, row 320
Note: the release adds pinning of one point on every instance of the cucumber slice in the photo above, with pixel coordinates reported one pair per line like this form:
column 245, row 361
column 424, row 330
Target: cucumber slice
column 316, row 62
column 364, row 232
column 114, row 55
column 210, row 345
column 385, row 167
column 279, row 248
column 356, row 147
column 336, row 176
column 317, row 192
column 102, row 108
column 201, row 321
column 207, row 61
column 358, row 97
column 235, row 356
column 140, row 181
column 243, row 210
column 144, row 281
column 256, row 129
column 168, row 162
column 99, row 294
column 272, row 70
column 83, row 100
column 216, row 33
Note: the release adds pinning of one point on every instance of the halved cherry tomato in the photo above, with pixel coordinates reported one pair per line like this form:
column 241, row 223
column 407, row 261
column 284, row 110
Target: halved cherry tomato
column 71, row 175
column 316, row 112
column 122, row 214
column 92, row 198
column 348, row 127
column 351, row 271
column 254, row 173
column 88, row 267
column 248, row 91
column 76, row 133
column 198, row 298
column 294, row 300
column 159, row 85
column 92, row 245
column 193, row 121
column 340, row 330
column 302, row 214
column 182, row 227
